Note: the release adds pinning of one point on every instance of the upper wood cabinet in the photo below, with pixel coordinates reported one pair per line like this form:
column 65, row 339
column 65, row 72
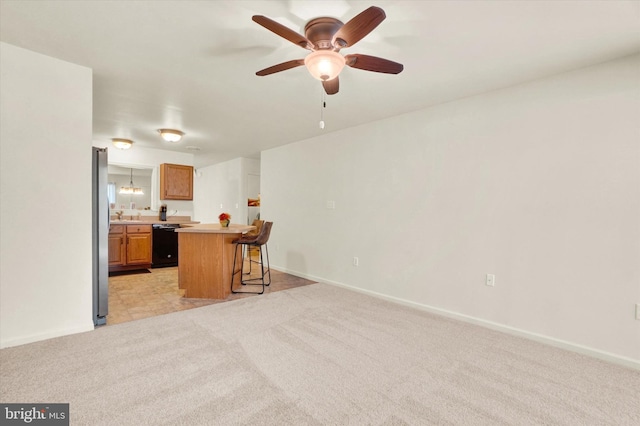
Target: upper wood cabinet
column 176, row 182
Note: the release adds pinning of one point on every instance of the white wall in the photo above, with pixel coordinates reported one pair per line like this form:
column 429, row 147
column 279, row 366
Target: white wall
column 538, row 184
column 223, row 188
column 142, row 157
column 45, row 211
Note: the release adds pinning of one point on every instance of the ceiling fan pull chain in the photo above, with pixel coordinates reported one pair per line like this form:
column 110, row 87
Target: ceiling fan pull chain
column 323, row 105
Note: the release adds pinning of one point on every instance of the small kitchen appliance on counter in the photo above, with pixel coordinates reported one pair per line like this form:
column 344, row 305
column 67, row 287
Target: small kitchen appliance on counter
column 163, row 213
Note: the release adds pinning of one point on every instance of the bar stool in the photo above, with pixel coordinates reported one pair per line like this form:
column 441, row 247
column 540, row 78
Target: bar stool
column 248, row 242
column 254, row 234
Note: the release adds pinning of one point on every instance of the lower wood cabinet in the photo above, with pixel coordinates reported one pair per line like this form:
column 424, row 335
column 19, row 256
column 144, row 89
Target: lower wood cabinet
column 129, row 247
column 117, row 247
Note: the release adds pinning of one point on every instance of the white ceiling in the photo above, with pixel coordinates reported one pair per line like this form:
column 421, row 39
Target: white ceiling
column 191, row 65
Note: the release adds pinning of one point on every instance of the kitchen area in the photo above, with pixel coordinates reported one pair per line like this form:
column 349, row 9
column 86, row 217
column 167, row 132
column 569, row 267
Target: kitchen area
column 146, row 206
column 140, row 238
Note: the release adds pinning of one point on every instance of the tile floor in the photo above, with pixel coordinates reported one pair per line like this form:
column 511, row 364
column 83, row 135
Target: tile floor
column 155, row 292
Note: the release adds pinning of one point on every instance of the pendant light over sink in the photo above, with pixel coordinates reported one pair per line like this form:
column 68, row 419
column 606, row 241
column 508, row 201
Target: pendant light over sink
column 131, row 189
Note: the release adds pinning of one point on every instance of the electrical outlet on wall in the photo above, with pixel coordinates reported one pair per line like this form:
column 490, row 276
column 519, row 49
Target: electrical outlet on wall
column 490, row 280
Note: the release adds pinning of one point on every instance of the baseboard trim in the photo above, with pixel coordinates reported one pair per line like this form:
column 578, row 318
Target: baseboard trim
column 23, row 340
column 563, row 344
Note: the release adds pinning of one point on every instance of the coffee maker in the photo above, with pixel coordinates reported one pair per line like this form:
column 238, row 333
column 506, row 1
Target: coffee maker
column 163, row 212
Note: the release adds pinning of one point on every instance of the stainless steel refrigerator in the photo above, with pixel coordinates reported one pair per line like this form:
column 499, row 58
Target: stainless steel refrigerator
column 100, row 229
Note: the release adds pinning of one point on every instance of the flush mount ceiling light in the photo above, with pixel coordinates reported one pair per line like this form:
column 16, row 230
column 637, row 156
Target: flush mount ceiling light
column 122, row 143
column 171, row 135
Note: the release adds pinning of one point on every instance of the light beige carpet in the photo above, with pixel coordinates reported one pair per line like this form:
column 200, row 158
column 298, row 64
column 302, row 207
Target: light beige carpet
column 315, row 355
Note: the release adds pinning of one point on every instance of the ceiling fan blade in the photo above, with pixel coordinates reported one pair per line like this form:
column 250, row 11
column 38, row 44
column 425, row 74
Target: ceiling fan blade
column 332, row 86
column 281, row 67
column 283, row 31
column 373, row 63
column 358, row 27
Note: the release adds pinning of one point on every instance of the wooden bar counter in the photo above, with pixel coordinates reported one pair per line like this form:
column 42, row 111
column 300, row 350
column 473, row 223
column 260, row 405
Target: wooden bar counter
column 205, row 259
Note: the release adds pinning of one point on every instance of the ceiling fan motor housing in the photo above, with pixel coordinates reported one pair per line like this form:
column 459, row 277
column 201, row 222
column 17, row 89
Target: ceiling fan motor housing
column 320, row 32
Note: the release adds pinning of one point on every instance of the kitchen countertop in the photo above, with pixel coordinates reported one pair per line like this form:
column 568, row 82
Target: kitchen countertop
column 215, row 228
column 184, row 220
column 155, row 222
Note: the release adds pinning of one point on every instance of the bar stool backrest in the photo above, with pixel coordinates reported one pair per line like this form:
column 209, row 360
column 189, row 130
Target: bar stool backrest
column 263, row 237
column 258, row 224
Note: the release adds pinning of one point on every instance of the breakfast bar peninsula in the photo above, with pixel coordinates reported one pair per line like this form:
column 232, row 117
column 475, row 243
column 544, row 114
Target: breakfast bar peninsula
column 205, row 259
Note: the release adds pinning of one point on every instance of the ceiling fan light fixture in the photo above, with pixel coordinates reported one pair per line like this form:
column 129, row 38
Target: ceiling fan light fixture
column 324, row 65
column 122, row 143
column 171, row 135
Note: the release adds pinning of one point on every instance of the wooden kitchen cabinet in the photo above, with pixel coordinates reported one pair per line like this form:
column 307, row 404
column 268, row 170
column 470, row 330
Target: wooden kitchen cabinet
column 176, row 182
column 116, row 245
column 138, row 244
column 130, row 247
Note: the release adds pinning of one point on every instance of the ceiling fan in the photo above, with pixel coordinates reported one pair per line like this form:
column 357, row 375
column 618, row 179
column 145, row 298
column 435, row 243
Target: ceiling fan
column 324, row 37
